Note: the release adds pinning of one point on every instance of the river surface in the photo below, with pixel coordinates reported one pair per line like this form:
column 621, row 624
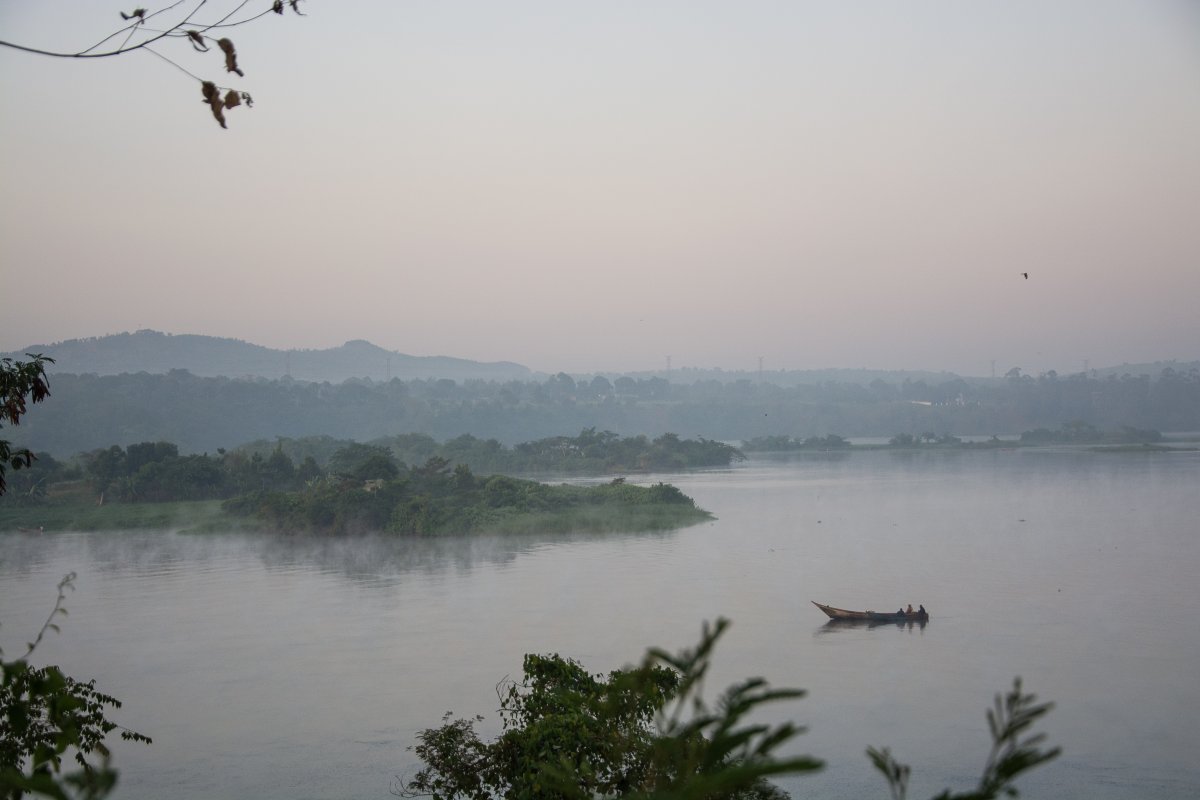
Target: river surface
column 293, row 667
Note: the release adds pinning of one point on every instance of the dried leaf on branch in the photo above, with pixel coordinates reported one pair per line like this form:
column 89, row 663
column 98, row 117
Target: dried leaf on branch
column 230, row 56
column 197, row 41
column 212, row 96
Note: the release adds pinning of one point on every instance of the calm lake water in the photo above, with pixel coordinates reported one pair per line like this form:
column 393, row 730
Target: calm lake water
column 284, row 667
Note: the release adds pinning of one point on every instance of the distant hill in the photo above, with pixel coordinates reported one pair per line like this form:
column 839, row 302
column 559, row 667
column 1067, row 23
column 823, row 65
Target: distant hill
column 211, row 356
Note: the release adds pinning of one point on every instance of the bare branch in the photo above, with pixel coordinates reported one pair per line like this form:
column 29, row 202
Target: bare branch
column 184, row 28
column 129, row 30
column 175, row 65
column 132, row 28
column 68, row 582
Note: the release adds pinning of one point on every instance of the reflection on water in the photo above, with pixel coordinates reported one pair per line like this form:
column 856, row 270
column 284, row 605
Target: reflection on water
column 841, row 625
column 367, row 557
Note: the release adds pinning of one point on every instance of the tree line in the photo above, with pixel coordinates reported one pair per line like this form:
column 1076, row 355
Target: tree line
column 159, row 472
column 197, row 413
column 1075, row 432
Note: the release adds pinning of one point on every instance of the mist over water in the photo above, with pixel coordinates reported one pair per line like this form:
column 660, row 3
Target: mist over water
column 297, row 667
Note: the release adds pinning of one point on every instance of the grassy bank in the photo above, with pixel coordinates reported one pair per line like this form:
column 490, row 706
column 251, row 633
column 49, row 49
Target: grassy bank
column 195, row 515
column 597, row 519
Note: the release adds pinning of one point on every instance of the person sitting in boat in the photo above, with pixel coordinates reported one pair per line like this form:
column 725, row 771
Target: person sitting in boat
column 909, row 610
column 922, row 611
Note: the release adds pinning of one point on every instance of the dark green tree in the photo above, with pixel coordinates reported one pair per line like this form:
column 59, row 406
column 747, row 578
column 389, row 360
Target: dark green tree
column 377, row 467
column 279, row 470
column 20, row 382
column 645, row 732
column 105, row 468
column 30, row 485
column 350, row 459
column 308, row 470
column 638, row 732
column 143, row 453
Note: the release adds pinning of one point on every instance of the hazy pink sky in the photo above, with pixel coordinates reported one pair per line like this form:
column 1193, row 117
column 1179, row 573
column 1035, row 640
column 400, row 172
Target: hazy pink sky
column 596, row 186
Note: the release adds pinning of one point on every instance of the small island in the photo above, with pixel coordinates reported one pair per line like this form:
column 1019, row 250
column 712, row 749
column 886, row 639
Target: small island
column 1075, row 433
column 432, row 500
column 361, row 488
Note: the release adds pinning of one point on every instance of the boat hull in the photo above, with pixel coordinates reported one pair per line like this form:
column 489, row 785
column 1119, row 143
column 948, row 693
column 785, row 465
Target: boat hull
column 870, row 616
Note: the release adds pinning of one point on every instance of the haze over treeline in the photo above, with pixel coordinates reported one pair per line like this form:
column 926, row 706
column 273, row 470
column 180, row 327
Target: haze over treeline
column 202, row 413
column 212, row 356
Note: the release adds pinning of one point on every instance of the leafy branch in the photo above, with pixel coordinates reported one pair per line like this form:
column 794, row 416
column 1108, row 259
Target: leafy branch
column 18, row 380
column 1009, row 720
column 138, row 35
column 45, row 714
column 68, row 582
column 708, row 752
column 642, row 732
column 646, row 733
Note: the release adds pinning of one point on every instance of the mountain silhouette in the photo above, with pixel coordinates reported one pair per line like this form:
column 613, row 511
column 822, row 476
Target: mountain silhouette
column 210, row 356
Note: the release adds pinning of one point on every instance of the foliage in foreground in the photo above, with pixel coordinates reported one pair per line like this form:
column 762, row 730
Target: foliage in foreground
column 18, row 380
column 1009, row 720
column 645, row 732
column 46, row 717
column 638, row 732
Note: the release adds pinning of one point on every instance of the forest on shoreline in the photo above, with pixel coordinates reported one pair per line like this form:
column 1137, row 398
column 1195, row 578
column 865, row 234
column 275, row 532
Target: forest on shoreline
column 199, row 414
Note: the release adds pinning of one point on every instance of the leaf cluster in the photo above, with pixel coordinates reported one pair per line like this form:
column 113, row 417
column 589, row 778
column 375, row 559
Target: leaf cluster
column 19, row 380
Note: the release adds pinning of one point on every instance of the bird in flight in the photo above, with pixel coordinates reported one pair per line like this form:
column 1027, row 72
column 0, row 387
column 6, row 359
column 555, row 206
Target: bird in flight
column 1026, row 274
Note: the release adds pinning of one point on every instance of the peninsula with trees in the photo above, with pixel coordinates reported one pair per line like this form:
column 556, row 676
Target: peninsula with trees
column 361, row 487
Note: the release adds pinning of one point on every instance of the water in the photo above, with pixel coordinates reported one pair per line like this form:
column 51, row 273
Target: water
column 282, row 667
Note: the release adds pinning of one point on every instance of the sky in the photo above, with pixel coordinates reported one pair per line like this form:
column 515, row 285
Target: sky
column 602, row 186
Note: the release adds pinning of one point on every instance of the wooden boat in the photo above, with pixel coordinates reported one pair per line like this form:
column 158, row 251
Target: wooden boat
column 842, row 614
